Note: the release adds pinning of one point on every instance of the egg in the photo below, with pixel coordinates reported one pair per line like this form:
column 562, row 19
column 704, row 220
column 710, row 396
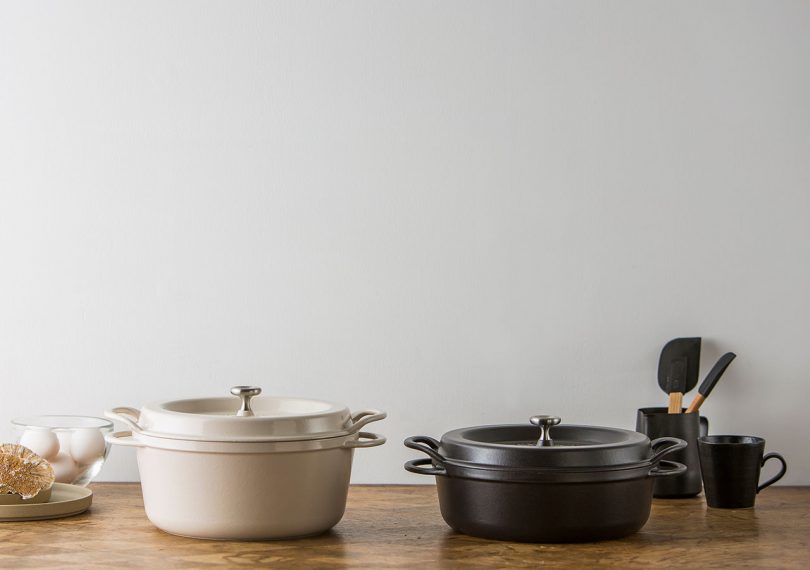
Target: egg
column 64, row 468
column 43, row 442
column 63, row 435
column 87, row 446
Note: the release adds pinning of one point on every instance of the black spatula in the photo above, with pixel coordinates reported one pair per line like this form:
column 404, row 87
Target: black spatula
column 711, row 380
column 678, row 369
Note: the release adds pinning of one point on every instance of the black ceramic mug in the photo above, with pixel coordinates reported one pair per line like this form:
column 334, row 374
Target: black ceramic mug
column 657, row 422
column 730, row 465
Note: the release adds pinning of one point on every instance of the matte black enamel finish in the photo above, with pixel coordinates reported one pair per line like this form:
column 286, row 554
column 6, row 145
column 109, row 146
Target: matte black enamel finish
column 572, row 446
column 731, row 466
column 512, row 449
column 545, row 512
column 492, row 484
column 655, row 423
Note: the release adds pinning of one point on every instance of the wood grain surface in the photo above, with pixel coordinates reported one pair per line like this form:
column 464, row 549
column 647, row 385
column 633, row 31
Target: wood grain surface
column 400, row 526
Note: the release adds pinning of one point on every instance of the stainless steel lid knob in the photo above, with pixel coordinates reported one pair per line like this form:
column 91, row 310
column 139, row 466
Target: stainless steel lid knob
column 245, row 393
column 545, row 423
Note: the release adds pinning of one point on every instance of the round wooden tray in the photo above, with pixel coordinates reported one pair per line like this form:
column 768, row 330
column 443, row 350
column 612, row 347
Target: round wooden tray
column 66, row 500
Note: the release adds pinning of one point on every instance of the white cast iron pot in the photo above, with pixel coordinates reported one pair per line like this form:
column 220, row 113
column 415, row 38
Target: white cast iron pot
column 273, row 468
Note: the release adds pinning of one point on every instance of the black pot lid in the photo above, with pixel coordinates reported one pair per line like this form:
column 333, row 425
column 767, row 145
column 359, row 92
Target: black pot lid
column 544, row 444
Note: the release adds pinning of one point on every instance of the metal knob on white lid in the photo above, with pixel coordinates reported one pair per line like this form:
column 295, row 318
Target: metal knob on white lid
column 245, row 393
column 545, row 423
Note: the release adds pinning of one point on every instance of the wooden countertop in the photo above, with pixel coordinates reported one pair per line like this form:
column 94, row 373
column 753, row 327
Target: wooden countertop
column 400, row 526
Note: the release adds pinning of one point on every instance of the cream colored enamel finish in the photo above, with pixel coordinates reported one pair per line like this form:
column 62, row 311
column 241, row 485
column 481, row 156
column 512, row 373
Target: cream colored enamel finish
column 244, row 496
column 280, row 470
column 141, row 439
column 244, row 490
column 218, row 419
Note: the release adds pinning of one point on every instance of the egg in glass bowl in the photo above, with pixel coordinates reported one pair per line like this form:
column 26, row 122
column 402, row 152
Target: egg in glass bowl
column 73, row 445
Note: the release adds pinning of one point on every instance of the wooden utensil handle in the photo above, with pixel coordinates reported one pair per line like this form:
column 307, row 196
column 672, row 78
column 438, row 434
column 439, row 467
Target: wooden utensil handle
column 696, row 403
column 675, row 402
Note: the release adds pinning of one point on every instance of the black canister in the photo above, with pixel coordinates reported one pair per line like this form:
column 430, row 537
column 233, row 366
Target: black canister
column 657, row 422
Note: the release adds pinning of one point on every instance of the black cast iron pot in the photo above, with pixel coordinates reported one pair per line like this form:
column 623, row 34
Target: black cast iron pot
column 514, row 482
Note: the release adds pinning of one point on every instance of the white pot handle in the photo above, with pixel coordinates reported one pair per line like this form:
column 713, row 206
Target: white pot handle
column 362, row 419
column 125, row 415
column 123, row 438
column 366, row 439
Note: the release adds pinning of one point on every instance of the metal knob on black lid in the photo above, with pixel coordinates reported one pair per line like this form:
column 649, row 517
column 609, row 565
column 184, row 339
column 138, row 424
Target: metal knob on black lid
column 245, row 393
column 500, row 482
column 545, row 423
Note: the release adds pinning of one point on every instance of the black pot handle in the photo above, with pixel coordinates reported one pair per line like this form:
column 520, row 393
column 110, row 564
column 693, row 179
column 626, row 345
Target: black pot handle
column 416, row 466
column 676, row 444
column 666, row 468
column 426, row 445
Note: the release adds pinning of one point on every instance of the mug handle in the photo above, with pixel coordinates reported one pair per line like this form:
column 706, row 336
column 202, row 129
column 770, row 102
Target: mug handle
column 776, row 477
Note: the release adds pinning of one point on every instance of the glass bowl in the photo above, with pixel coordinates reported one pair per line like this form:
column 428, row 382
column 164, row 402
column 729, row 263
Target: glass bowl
column 73, row 445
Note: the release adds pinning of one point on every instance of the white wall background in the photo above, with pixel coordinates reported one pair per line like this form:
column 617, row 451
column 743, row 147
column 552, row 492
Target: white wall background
column 461, row 212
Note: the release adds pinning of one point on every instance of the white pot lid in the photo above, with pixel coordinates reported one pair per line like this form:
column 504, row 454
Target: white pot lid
column 245, row 417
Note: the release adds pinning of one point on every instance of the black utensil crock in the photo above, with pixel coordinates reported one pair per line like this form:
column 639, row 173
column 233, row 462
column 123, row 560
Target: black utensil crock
column 657, row 422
